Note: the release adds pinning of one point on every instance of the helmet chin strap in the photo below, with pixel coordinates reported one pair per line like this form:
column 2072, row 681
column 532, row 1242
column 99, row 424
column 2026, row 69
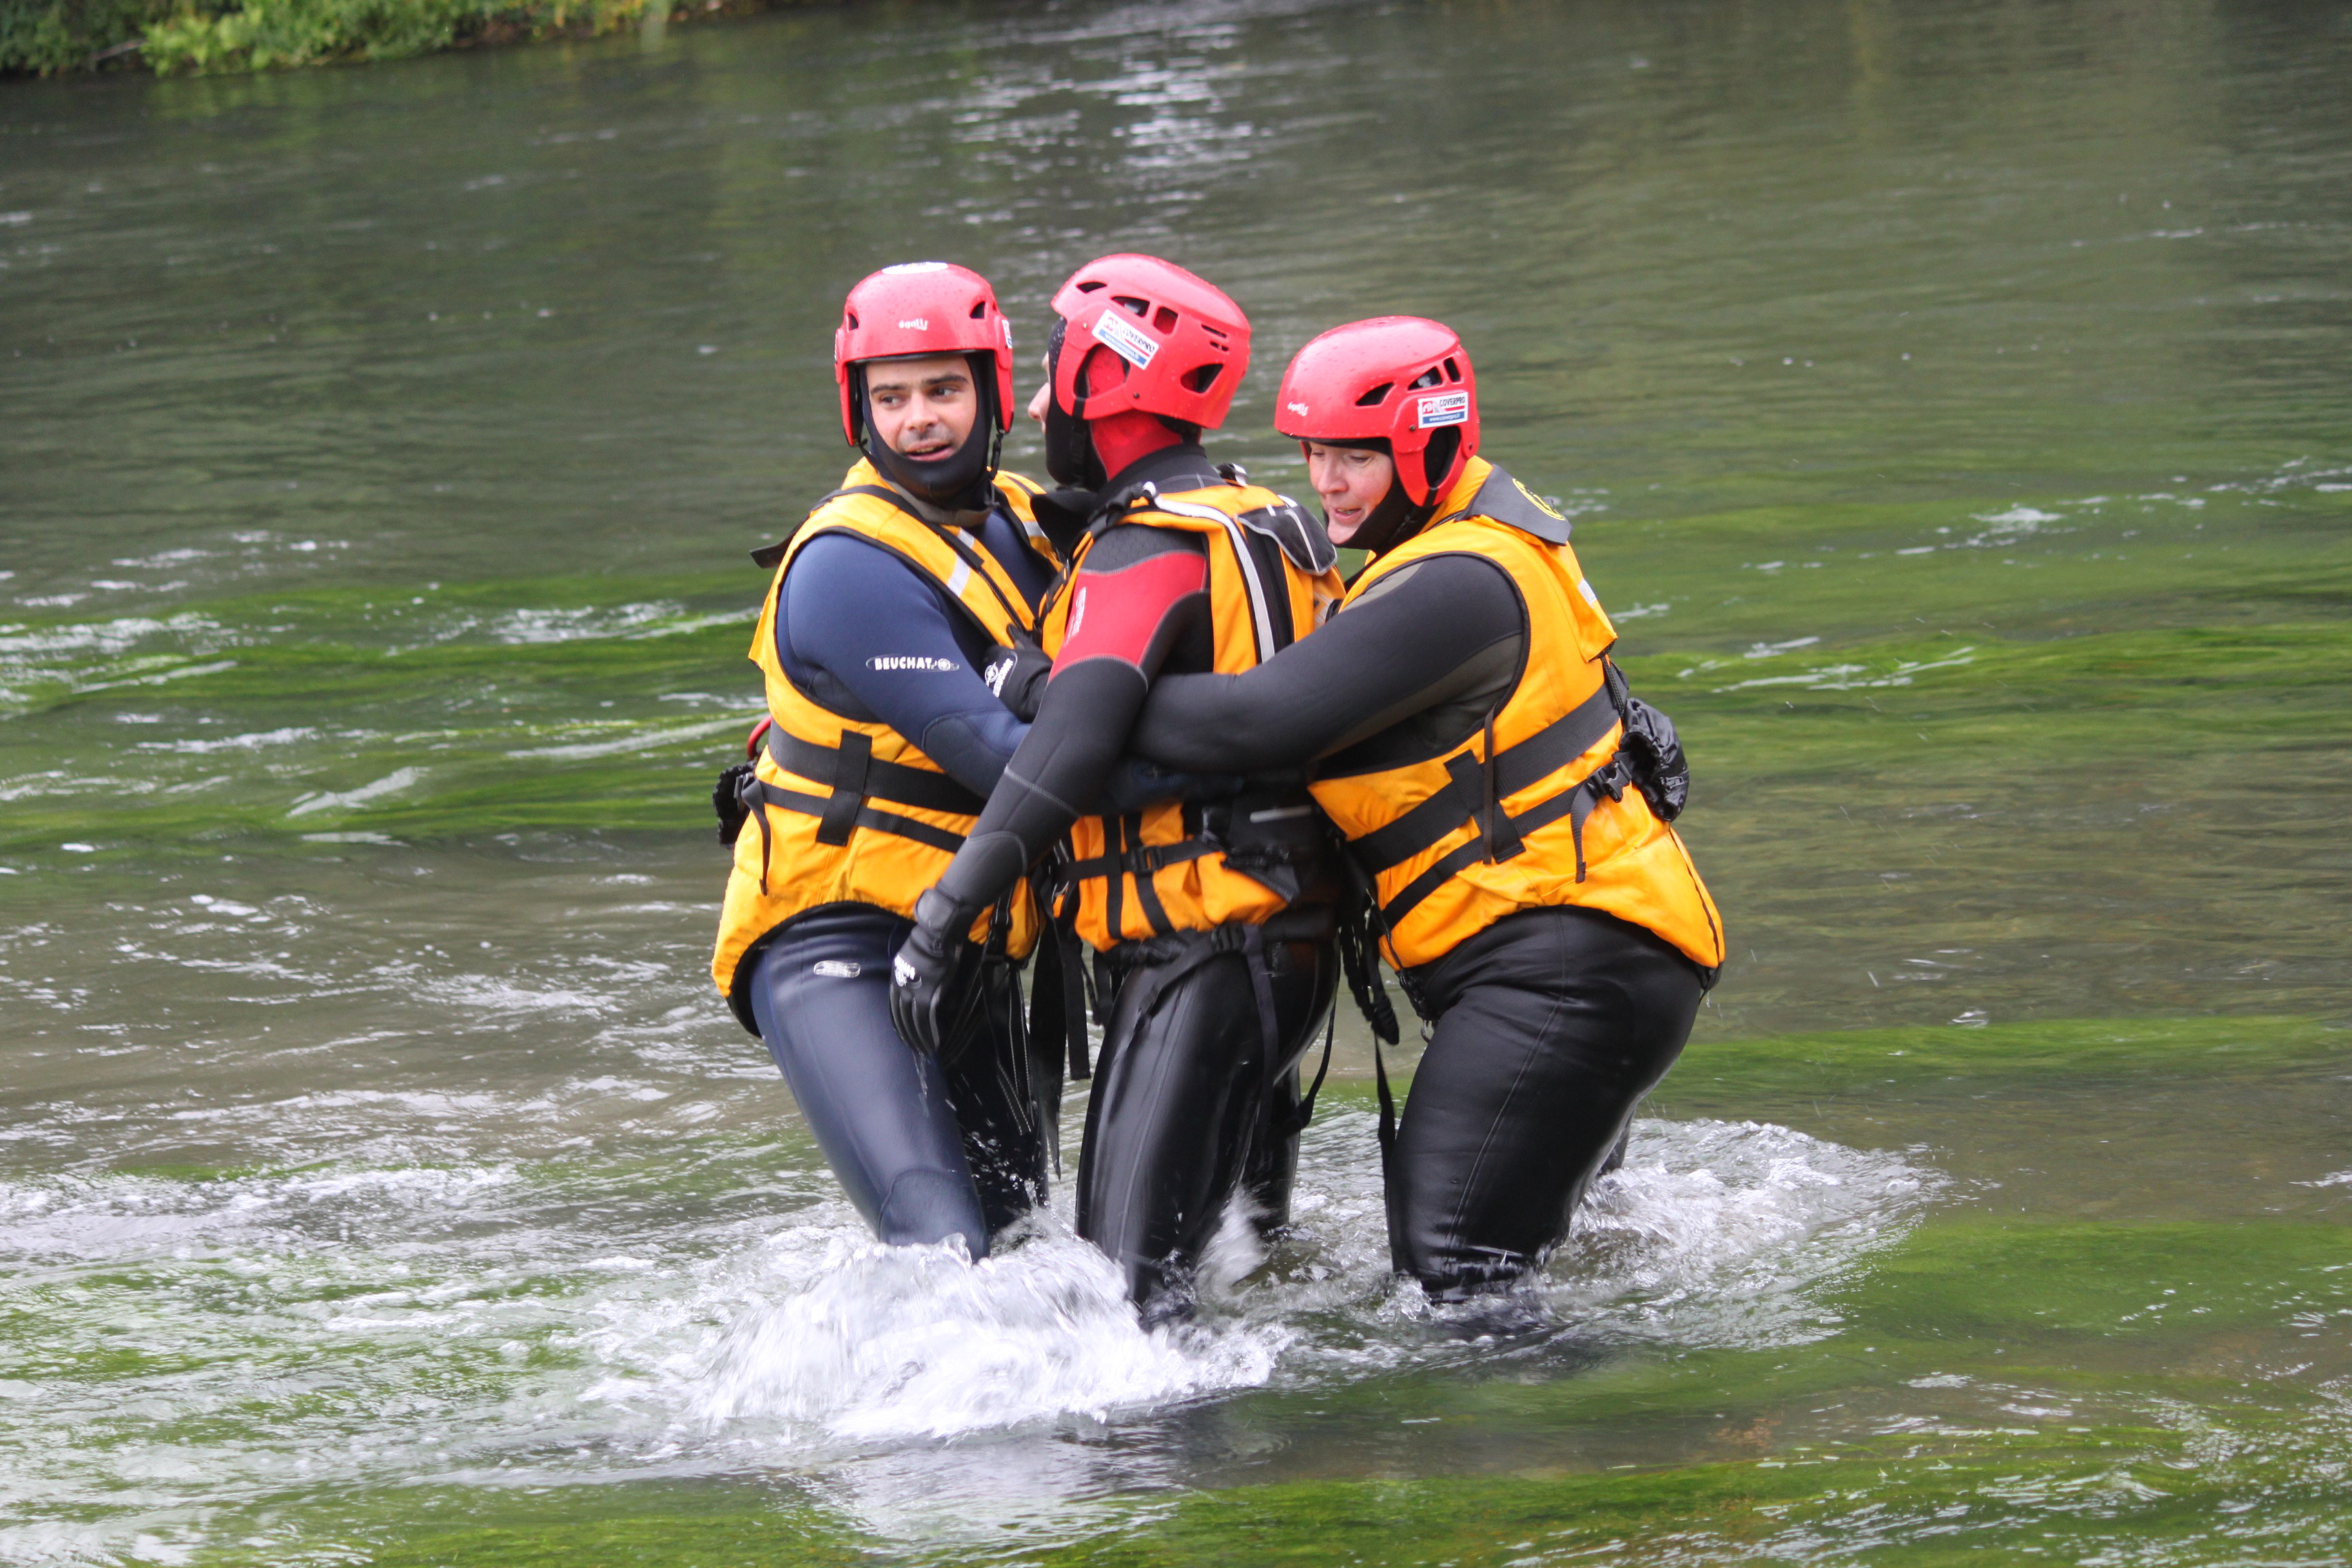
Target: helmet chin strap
column 958, row 481
column 1070, row 455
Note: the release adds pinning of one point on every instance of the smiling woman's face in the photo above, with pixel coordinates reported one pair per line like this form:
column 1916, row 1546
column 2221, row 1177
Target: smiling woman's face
column 921, row 407
column 1351, row 482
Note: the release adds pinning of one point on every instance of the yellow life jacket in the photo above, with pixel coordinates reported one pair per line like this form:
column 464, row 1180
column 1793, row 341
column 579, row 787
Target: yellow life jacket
column 1507, row 821
column 1176, row 865
column 850, row 811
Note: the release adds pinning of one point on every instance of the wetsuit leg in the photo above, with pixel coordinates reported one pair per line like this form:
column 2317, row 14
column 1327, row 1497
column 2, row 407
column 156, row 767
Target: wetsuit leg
column 1552, row 1025
column 1273, row 1167
column 1178, row 1108
column 882, row 1114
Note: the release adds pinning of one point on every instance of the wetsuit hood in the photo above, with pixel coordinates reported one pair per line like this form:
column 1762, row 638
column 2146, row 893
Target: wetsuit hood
column 1396, row 518
column 964, row 479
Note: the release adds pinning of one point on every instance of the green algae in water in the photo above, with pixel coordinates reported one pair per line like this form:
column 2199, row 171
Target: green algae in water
column 1718, row 1074
column 1952, row 407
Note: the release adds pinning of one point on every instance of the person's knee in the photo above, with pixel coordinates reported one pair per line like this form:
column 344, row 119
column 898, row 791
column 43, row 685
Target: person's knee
column 925, row 1208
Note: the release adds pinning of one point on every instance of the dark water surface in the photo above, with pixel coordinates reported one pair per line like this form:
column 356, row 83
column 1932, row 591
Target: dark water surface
column 1954, row 405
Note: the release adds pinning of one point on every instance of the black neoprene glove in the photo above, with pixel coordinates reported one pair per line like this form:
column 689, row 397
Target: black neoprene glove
column 1017, row 674
column 933, row 978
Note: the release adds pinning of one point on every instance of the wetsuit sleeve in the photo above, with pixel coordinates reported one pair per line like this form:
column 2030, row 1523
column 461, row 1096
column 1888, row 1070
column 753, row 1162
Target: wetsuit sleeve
column 1425, row 635
column 873, row 624
column 1142, row 591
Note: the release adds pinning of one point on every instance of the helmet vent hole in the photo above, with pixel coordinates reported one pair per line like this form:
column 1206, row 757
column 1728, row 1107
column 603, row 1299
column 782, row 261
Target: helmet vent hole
column 979, row 309
column 1091, row 285
column 1164, row 318
column 853, row 320
column 1200, row 377
column 1452, row 371
column 1429, row 377
column 1373, row 398
column 1138, row 309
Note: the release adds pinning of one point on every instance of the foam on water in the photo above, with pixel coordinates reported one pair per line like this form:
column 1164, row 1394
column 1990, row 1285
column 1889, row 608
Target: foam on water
column 499, row 1324
column 820, row 1334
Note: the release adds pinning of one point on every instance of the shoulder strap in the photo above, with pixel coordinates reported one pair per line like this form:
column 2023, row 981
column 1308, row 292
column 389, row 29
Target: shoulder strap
column 1244, row 559
column 972, row 558
column 1506, row 501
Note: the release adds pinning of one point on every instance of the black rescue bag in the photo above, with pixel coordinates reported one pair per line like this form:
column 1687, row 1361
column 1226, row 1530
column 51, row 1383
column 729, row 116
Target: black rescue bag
column 1651, row 753
column 732, row 795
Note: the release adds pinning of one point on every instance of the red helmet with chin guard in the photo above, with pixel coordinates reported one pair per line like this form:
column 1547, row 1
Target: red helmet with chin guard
column 1185, row 345
column 1401, row 379
column 921, row 308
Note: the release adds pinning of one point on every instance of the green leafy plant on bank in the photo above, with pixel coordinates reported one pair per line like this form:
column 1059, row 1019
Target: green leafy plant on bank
column 51, row 36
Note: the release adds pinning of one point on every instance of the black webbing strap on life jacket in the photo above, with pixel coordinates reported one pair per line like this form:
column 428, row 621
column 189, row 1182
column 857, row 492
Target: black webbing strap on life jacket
column 1153, row 964
column 850, row 769
column 1060, row 992
column 1476, row 785
column 1474, row 797
column 1360, row 931
column 1129, row 855
column 856, row 778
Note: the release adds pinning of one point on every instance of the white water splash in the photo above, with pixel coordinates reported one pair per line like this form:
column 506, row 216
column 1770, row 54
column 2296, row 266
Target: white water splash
column 821, row 1335
column 508, row 1324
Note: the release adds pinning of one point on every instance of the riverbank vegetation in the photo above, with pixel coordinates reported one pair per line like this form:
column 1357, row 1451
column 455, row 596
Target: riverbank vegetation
column 47, row 38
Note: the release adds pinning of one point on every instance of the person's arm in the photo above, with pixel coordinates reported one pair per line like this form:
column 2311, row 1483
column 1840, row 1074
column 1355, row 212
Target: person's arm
column 1141, row 592
column 1426, row 636
column 876, row 629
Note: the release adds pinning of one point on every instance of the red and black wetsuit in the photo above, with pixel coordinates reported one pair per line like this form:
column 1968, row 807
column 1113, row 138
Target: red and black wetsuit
column 1187, row 1105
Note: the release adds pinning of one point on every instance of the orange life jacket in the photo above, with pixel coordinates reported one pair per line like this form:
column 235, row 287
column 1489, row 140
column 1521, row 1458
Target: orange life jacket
column 850, row 810
column 1178, row 866
column 1506, row 821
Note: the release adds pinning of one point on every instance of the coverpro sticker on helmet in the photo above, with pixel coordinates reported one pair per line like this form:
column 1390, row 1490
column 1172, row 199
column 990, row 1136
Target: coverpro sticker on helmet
column 1445, row 408
column 1131, row 343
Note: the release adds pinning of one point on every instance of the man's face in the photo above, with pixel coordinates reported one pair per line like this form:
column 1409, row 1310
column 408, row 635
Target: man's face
column 1351, row 482
column 921, row 407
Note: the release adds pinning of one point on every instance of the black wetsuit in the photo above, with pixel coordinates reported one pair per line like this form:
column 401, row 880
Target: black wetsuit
column 1189, row 1103
column 1551, row 1023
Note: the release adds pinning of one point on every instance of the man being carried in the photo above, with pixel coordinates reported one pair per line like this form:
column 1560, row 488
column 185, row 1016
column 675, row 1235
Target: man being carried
column 1212, row 919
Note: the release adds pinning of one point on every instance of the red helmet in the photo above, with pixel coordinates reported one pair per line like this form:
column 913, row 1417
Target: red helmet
column 1395, row 378
column 1186, row 345
column 921, row 308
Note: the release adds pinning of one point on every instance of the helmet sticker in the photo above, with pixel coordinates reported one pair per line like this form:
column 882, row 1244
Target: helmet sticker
column 905, row 268
column 1446, row 409
column 1114, row 331
column 917, row 325
column 1298, row 408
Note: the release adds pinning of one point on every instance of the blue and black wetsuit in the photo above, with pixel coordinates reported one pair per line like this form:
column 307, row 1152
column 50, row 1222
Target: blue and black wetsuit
column 925, row 1148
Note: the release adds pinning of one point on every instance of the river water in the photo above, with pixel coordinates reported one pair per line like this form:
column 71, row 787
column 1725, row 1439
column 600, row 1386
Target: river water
column 1952, row 402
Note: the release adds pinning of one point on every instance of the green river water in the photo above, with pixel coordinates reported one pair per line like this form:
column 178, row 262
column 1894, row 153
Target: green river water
column 1954, row 404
